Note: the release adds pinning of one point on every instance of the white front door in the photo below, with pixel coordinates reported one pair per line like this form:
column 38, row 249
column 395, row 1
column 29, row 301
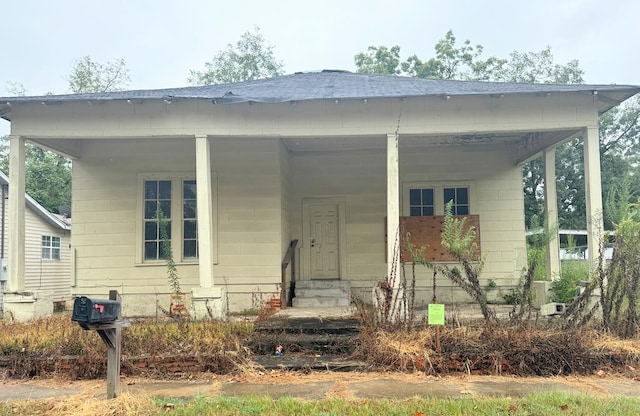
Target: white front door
column 324, row 241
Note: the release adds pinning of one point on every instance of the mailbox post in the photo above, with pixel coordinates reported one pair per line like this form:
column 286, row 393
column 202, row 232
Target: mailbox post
column 103, row 316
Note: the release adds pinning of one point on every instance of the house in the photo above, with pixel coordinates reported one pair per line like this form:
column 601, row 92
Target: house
column 47, row 259
column 333, row 159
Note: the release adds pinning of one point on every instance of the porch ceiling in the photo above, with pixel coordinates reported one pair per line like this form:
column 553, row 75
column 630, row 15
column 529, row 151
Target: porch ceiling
column 528, row 143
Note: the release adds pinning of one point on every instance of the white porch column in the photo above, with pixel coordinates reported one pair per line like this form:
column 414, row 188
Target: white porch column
column 593, row 192
column 551, row 209
column 16, row 266
column 207, row 299
column 393, row 216
column 205, row 211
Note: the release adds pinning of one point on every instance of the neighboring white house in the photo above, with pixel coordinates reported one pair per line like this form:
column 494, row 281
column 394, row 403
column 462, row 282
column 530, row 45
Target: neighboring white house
column 47, row 251
column 332, row 159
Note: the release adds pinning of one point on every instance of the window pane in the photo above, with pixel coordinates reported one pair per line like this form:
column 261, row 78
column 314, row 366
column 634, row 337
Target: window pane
column 46, row 240
column 55, row 242
column 150, row 189
column 164, row 189
column 427, row 211
column 45, row 253
column 165, row 206
column 150, row 230
column 190, row 229
column 462, row 196
column 414, row 211
column 151, row 250
column 189, row 190
column 190, row 248
column 462, row 210
column 189, row 209
column 449, row 195
column 150, row 209
column 414, row 197
column 427, row 197
column 55, row 254
column 162, row 248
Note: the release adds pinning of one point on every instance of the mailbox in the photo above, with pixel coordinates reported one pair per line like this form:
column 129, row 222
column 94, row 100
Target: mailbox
column 91, row 311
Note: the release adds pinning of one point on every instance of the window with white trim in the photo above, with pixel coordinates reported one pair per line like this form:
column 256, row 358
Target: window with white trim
column 175, row 196
column 459, row 198
column 428, row 199
column 421, row 202
column 50, row 247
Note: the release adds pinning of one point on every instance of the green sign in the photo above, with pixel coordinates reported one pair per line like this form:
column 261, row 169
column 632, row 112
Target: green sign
column 436, row 314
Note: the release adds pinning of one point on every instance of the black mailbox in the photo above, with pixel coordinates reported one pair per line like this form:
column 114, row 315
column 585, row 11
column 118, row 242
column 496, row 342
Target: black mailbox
column 91, row 311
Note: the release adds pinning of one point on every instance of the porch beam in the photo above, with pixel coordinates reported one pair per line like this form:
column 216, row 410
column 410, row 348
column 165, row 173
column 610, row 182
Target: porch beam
column 593, row 193
column 204, row 206
column 393, row 214
column 551, row 210
column 16, row 278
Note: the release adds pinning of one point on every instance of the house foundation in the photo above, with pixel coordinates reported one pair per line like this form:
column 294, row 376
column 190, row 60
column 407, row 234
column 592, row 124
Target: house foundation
column 208, row 303
column 26, row 306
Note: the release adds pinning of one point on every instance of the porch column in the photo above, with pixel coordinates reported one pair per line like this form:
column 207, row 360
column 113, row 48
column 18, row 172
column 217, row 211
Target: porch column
column 393, row 216
column 204, row 215
column 16, row 266
column 593, row 192
column 208, row 301
column 551, row 209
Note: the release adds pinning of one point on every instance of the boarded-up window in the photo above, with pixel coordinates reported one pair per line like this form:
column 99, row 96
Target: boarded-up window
column 427, row 232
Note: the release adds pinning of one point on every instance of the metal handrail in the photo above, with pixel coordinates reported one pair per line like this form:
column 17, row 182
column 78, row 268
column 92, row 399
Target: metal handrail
column 289, row 258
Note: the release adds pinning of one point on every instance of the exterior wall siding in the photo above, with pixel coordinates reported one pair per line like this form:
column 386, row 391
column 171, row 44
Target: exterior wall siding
column 360, row 177
column 249, row 210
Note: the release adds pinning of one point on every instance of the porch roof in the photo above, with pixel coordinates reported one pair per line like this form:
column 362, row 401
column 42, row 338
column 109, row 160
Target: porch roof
column 337, row 85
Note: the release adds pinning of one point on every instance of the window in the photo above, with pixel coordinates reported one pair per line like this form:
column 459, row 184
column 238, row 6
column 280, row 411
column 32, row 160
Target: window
column 189, row 220
column 175, row 197
column 157, row 217
column 429, row 199
column 421, row 202
column 50, row 248
column 460, row 199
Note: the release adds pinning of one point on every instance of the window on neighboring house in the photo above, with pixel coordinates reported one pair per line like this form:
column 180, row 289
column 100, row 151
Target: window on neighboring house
column 50, row 247
column 175, row 196
column 189, row 220
column 421, row 202
column 460, row 198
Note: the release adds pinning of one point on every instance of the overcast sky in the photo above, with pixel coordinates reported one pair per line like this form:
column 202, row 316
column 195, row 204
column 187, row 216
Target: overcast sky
column 161, row 39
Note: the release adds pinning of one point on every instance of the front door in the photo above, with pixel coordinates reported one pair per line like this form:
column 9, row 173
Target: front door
column 324, row 241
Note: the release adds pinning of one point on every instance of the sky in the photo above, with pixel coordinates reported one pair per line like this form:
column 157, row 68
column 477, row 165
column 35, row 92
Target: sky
column 161, row 40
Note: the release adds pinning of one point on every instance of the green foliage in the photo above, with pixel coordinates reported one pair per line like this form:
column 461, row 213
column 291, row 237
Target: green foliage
column 88, row 76
column 251, row 58
column 564, row 289
column 167, row 251
column 47, row 175
column 619, row 297
column 379, row 60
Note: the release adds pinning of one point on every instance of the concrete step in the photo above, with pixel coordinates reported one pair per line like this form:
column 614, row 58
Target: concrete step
column 323, row 284
column 329, row 292
column 320, row 302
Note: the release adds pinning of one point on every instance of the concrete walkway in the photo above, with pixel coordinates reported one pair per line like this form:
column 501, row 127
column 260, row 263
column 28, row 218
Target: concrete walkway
column 324, row 385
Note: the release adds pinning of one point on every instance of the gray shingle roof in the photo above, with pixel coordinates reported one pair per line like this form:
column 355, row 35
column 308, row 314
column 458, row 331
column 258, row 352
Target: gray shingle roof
column 336, row 85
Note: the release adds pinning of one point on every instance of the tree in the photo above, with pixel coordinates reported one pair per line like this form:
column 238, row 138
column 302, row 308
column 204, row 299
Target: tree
column 466, row 62
column 48, row 174
column 88, row 76
column 379, row 60
column 251, row 58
